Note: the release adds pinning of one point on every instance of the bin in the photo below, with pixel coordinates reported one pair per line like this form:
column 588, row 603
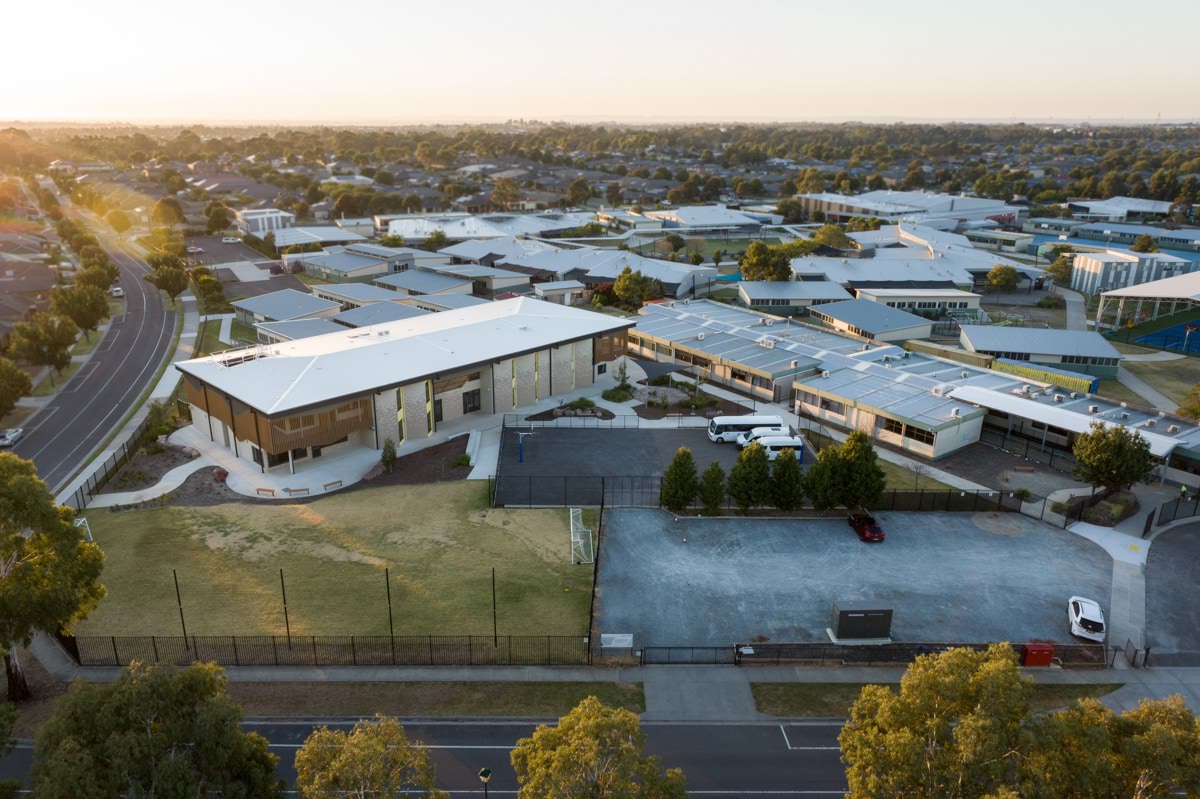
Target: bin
column 1037, row 654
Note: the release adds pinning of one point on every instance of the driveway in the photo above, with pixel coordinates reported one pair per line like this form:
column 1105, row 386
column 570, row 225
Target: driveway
column 1172, row 613
column 949, row 577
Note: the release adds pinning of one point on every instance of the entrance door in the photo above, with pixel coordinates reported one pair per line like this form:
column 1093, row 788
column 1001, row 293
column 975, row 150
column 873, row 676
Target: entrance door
column 437, row 411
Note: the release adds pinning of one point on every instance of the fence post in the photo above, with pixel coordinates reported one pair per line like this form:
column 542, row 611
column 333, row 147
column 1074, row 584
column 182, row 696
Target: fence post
column 353, row 652
column 116, row 657
column 236, row 660
column 154, row 646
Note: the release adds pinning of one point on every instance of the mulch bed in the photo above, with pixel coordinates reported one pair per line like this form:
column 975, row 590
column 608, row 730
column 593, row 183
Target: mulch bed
column 145, row 470
column 726, row 408
column 590, row 413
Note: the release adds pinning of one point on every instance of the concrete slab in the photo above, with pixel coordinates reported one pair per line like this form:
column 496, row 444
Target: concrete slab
column 247, row 272
column 1172, row 614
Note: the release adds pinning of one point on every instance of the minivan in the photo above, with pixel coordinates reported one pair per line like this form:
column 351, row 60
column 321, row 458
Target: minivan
column 744, row 439
column 777, row 444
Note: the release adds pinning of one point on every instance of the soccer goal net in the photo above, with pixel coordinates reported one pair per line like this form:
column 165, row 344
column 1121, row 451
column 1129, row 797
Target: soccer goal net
column 581, row 538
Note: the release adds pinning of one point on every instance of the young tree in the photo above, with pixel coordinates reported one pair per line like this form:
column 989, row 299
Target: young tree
column 954, row 729
column 765, row 263
column 1144, row 243
column 846, row 476
column 435, row 241
column 631, row 287
column 1060, row 271
column 750, row 478
column 679, row 485
column 44, row 341
column 712, row 489
column 832, row 235
column 375, row 759
column 84, row 305
column 822, row 482
column 96, row 276
column 168, row 212
column 787, row 482
column 170, row 280
column 594, row 751
column 156, row 731
column 1003, row 278
column 388, row 456
column 49, row 576
column 14, row 384
column 118, row 220
column 1111, row 456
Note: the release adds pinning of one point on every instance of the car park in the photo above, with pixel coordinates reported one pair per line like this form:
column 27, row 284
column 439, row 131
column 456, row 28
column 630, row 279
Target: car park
column 745, row 439
column 1086, row 618
column 117, row 291
column 10, row 437
column 866, row 527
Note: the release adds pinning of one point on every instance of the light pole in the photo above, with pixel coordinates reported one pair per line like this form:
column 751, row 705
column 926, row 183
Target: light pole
column 485, row 774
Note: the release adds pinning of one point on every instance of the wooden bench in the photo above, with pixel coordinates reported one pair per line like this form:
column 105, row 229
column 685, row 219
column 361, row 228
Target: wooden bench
column 296, row 492
column 265, row 492
column 333, row 484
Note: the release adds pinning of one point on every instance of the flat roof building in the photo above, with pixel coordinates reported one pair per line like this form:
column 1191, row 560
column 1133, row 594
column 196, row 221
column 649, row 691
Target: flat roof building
column 872, row 320
column 787, row 297
column 419, row 281
column 282, row 306
column 1074, row 350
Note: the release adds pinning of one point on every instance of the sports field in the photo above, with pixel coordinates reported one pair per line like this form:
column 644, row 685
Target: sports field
column 1183, row 337
column 439, row 541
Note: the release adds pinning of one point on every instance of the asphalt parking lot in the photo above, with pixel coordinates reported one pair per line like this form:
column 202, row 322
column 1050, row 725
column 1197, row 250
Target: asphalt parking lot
column 216, row 252
column 563, row 466
column 952, row 578
column 1172, row 614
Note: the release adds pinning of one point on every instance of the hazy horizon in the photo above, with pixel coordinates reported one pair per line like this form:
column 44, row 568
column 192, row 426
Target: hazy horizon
column 371, row 63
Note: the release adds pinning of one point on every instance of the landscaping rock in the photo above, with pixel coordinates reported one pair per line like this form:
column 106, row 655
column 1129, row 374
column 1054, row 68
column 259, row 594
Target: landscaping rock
column 220, row 474
column 373, row 473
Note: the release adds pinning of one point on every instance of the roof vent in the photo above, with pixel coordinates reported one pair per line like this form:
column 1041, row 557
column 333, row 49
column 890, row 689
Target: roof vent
column 795, row 364
column 1035, row 395
column 1124, row 415
column 1074, row 395
column 1151, row 423
column 1173, row 428
column 1059, row 397
column 1093, row 409
column 937, row 391
column 700, row 337
column 954, row 413
column 1124, row 404
column 963, row 373
column 824, row 373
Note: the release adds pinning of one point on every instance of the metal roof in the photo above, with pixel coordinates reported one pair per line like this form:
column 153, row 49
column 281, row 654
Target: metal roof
column 422, row 281
column 356, row 292
column 872, row 317
column 294, row 329
column 792, row 290
column 285, row 304
column 449, row 301
column 377, row 313
column 286, row 237
column 1036, row 340
column 1180, row 287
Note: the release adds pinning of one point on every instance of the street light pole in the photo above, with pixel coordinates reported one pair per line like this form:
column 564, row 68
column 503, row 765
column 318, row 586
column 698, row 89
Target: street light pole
column 485, row 774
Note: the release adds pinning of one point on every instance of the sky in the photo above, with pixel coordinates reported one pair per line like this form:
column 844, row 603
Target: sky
column 399, row 62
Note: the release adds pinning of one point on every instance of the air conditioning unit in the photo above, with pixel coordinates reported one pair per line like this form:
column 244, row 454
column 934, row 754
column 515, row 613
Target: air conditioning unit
column 1035, row 395
column 963, row 373
column 687, row 302
column 1093, row 409
column 905, row 355
column 1059, row 397
column 1124, row 415
column 795, row 364
column 1074, row 395
column 954, row 413
column 1026, row 389
column 1124, row 404
column 824, row 374
column 770, row 322
column 1151, row 422
column 1018, row 391
column 1173, row 428
column 937, row 391
column 700, row 337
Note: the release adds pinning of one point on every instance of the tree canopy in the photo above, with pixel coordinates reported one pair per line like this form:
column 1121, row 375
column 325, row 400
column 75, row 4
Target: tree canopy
column 170, row 280
column 750, row 478
column 1003, row 278
column 1144, row 243
column 84, row 305
column 847, row 475
column 14, row 384
column 118, row 220
column 45, row 340
column 1060, row 270
column 679, row 484
column 595, row 751
column 157, row 731
column 167, row 211
column 375, row 760
column 762, row 262
column 1111, row 456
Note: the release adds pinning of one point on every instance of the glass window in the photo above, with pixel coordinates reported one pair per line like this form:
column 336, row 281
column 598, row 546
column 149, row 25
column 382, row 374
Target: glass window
column 472, row 401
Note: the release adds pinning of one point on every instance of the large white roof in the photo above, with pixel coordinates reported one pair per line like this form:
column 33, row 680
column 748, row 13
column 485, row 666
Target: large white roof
column 299, row 374
column 1180, row 287
column 486, row 226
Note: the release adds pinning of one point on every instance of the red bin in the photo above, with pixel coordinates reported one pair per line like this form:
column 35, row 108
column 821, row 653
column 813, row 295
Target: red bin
column 1037, row 654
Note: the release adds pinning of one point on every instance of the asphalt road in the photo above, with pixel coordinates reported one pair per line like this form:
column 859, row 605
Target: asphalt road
column 98, row 396
column 719, row 760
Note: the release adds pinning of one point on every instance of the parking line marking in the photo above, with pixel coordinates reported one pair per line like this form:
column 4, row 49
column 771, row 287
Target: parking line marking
column 805, row 748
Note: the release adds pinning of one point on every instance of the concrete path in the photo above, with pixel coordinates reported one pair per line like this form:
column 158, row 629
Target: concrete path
column 1076, row 309
column 1154, row 397
column 1154, row 356
column 169, row 482
column 225, row 334
column 247, row 271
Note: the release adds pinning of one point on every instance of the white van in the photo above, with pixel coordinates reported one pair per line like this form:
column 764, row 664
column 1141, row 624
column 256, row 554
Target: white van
column 777, row 444
column 744, row 439
column 727, row 428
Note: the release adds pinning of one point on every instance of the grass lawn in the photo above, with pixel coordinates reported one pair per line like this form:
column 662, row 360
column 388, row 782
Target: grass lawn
column 1131, row 349
column 240, row 331
column 1055, row 317
column 440, row 542
column 1114, row 390
column 309, row 280
column 17, row 417
column 833, row 700
column 429, row 699
column 722, row 294
column 210, row 338
column 1173, row 378
column 53, row 382
column 85, row 344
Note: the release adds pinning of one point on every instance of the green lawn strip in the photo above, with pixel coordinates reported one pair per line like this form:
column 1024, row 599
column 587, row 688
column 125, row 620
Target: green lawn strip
column 242, row 332
column 210, row 338
column 833, row 700
column 309, row 280
column 440, row 542
column 1119, row 392
column 1131, row 349
column 85, row 344
column 1173, row 378
column 429, row 699
column 52, row 382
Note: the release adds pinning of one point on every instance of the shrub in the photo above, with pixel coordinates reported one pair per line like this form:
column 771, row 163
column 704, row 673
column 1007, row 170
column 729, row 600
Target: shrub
column 712, row 489
column 462, row 461
column 1059, row 508
column 1098, row 515
column 617, row 395
column 388, row 456
column 1023, row 494
column 580, row 404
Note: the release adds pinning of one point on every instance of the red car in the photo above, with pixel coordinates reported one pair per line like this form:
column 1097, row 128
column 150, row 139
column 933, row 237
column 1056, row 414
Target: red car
column 867, row 528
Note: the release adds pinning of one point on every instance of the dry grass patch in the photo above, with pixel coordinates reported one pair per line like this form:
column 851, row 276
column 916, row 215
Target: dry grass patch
column 440, row 542
column 1173, row 378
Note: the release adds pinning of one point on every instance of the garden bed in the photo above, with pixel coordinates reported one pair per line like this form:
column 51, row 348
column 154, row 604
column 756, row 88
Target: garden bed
column 146, row 468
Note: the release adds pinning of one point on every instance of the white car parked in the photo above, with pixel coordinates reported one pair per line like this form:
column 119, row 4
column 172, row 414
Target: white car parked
column 745, row 439
column 1086, row 618
column 10, row 437
column 231, row 240
column 117, row 291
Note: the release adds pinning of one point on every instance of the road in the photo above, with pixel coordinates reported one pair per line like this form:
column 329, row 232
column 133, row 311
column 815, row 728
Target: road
column 98, row 396
column 719, row 760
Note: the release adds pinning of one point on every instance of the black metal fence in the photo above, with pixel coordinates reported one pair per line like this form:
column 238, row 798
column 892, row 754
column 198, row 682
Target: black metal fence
column 769, row 654
column 112, row 464
column 331, row 650
column 1029, row 449
column 1178, row 509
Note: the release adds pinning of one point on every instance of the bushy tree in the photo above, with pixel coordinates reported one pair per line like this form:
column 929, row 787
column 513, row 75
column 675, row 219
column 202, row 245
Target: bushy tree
column 14, row 384
column 118, row 220
column 594, row 751
column 96, row 276
column 435, row 241
column 579, row 192
column 765, row 263
column 712, row 489
column 1003, row 278
column 832, row 235
column 84, row 305
column 679, row 486
column 167, row 211
column 46, row 340
column 1111, row 456
column 846, row 476
column 169, row 280
column 49, row 576
column 375, row 759
column 750, row 478
column 1144, row 243
column 156, row 731
column 1060, row 270
column 787, row 482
